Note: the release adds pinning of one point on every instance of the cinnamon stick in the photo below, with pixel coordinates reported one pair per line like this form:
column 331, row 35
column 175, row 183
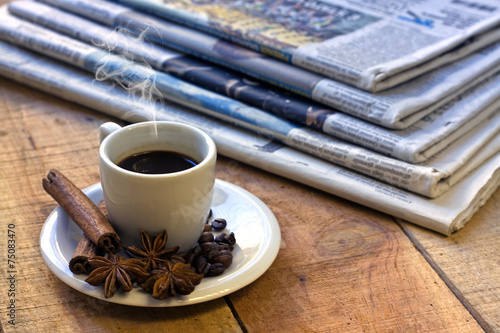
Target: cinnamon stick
column 79, row 263
column 82, row 210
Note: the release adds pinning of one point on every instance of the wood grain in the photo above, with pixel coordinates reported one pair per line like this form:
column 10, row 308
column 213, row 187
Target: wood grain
column 469, row 261
column 341, row 267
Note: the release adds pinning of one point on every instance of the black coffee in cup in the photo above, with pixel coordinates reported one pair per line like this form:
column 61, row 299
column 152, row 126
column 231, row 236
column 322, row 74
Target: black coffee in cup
column 157, row 162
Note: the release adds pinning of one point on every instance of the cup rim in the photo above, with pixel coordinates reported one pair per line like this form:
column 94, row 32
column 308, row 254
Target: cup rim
column 212, row 150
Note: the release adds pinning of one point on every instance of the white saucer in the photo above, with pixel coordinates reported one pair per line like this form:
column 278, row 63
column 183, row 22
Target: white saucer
column 257, row 234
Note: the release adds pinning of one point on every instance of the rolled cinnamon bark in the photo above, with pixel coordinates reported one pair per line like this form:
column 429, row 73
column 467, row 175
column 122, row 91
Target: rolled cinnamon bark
column 79, row 263
column 82, row 210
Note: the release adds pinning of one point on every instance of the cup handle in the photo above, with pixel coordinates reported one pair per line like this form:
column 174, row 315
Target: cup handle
column 106, row 129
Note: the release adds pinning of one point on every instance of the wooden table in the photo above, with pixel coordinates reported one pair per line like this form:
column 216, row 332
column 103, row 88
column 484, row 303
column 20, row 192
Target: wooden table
column 341, row 267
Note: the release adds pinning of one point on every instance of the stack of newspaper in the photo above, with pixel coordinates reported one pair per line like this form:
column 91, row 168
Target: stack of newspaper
column 392, row 107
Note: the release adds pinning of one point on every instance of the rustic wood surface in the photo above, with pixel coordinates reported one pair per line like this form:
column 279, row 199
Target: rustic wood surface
column 341, row 267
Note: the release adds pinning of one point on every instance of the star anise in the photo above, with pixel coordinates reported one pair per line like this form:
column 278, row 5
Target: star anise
column 152, row 254
column 171, row 280
column 113, row 271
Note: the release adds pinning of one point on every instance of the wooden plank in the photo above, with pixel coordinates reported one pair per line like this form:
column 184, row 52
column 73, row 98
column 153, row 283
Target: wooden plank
column 342, row 267
column 38, row 133
column 469, row 261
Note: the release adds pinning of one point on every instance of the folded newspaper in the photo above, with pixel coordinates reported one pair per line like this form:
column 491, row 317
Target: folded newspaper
column 432, row 178
column 446, row 214
column 370, row 45
column 415, row 144
column 395, row 108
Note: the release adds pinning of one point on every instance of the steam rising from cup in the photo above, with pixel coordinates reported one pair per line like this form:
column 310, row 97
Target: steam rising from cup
column 137, row 76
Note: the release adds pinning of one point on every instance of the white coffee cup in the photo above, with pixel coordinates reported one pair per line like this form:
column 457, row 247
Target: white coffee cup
column 178, row 202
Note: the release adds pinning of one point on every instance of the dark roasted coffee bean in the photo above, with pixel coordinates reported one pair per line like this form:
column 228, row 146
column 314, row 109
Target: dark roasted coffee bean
column 196, row 251
column 219, row 224
column 220, row 237
column 216, row 269
column 224, row 257
column 201, row 265
column 225, row 238
column 207, row 247
column 230, row 239
column 206, row 237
